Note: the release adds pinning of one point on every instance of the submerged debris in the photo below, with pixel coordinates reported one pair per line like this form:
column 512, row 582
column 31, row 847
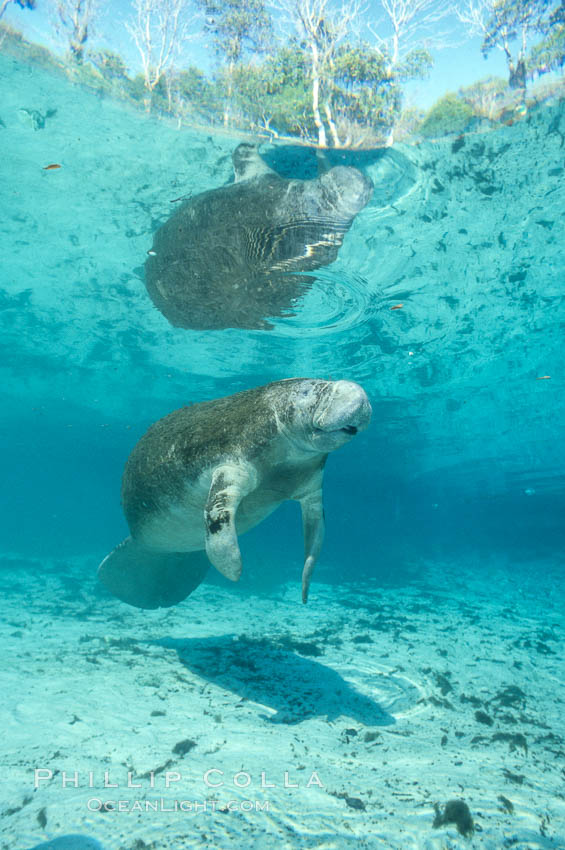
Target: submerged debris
column 352, row 802
column 514, row 741
column 355, row 803
column 507, row 804
column 483, row 717
column 457, row 812
column 510, row 697
column 518, row 778
column 34, row 118
column 184, row 747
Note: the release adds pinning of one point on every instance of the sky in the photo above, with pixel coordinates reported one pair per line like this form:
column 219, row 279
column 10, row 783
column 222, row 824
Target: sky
column 454, row 66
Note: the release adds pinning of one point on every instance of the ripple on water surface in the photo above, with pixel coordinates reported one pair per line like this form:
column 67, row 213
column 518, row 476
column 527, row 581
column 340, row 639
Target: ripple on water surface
column 336, row 302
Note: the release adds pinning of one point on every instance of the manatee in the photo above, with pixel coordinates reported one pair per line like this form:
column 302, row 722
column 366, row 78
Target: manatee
column 233, row 256
column 213, row 470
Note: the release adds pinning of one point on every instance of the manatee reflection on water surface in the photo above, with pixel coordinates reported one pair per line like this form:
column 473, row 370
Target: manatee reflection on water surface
column 234, row 256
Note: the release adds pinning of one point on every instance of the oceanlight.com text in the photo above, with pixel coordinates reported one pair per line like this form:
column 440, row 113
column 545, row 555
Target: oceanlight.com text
column 95, row 804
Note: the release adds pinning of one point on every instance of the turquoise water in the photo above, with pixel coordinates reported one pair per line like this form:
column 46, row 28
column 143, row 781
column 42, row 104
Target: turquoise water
column 439, row 580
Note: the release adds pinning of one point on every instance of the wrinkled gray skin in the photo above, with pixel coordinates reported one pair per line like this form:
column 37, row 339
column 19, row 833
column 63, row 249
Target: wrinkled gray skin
column 206, row 473
column 233, row 256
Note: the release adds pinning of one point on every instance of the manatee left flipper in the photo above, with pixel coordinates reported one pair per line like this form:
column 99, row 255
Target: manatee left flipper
column 313, row 526
column 230, row 483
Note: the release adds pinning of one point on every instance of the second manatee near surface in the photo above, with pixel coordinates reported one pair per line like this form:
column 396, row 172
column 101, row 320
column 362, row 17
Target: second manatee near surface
column 208, row 472
column 233, row 256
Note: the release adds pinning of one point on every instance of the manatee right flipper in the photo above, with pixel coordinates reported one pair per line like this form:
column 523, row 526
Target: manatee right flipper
column 146, row 578
column 230, row 483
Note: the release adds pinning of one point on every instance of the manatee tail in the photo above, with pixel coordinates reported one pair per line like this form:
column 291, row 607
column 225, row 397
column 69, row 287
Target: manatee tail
column 149, row 579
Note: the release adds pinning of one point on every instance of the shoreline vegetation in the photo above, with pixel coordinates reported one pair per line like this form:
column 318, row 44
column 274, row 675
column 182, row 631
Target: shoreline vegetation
column 271, row 100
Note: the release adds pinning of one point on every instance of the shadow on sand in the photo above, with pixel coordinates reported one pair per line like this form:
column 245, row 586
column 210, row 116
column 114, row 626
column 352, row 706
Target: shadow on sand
column 262, row 671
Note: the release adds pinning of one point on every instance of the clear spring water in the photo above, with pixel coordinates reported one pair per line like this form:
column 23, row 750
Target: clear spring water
column 456, row 488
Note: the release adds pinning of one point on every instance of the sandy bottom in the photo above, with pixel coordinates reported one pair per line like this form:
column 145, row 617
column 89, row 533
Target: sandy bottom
column 375, row 705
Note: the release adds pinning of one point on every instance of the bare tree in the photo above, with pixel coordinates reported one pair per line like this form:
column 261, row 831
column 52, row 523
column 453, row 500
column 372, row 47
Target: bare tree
column 322, row 26
column 74, row 18
column 23, row 4
column 414, row 24
column 413, row 28
column 509, row 26
column 159, row 29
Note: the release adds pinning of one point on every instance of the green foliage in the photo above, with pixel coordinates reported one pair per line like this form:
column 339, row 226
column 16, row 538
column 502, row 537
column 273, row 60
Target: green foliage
column 416, row 65
column 408, row 122
column 362, row 92
column 519, row 21
column 357, row 68
column 449, row 115
column 192, row 85
column 86, row 74
column 485, row 97
column 237, row 25
column 275, row 94
column 109, row 63
column 137, row 88
column 549, row 54
column 194, row 96
column 14, row 44
column 558, row 15
column 367, row 88
column 361, row 88
column 510, row 17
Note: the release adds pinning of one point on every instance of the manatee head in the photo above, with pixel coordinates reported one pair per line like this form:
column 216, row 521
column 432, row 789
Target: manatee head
column 347, row 190
column 321, row 416
column 247, row 162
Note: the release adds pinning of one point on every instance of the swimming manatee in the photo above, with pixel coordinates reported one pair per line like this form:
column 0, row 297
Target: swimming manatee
column 206, row 473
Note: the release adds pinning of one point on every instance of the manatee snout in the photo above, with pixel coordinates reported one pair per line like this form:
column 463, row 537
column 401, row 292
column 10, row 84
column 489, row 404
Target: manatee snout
column 351, row 190
column 347, row 409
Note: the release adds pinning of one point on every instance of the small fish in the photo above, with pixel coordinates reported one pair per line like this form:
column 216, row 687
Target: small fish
column 152, row 253
column 51, row 167
column 397, row 307
column 543, row 378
